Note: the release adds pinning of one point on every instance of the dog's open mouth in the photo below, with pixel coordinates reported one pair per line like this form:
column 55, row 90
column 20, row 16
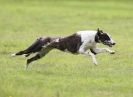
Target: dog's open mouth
column 109, row 44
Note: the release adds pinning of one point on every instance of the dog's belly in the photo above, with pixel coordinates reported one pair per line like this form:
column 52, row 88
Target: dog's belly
column 71, row 47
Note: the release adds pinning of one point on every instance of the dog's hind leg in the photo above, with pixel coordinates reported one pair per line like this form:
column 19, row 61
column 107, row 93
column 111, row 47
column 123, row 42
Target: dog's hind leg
column 36, row 57
column 39, row 55
column 28, row 50
column 35, row 47
column 18, row 53
column 27, row 55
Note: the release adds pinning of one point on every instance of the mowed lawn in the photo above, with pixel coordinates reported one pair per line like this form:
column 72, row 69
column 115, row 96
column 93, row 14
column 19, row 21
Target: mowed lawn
column 62, row 74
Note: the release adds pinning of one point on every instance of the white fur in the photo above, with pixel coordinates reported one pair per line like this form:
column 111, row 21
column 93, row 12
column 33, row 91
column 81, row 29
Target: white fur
column 88, row 39
column 13, row 55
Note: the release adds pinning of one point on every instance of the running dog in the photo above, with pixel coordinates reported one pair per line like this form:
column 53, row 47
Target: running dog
column 81, row 42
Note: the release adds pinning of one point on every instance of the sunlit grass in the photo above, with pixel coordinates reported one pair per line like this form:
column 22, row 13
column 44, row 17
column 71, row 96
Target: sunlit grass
column 62, row 74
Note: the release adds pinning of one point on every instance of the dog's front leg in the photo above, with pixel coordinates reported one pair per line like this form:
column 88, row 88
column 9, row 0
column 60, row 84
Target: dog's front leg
column 102, row 50
column 93, row 57
column 88, row 53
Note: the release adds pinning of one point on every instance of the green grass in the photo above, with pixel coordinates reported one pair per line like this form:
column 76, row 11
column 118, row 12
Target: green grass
column 61, row 74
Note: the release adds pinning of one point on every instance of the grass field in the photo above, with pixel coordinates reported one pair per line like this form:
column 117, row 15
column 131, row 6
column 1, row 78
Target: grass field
column 61, row 74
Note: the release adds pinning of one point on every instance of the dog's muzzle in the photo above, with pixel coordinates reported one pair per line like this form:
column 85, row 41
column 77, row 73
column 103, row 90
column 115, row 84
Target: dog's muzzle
column 110, row 44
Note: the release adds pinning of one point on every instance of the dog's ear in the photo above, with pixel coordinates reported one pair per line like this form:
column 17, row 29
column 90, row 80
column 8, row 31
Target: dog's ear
column 98, row 32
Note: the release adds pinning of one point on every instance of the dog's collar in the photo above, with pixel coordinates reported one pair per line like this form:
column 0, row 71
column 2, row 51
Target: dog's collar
column 97, row 38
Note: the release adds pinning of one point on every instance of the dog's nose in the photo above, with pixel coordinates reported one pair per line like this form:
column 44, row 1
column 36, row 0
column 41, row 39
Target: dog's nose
column 113, row 43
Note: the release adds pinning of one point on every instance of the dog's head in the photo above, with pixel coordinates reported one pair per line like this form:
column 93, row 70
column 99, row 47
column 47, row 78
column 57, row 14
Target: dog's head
column 104, row 38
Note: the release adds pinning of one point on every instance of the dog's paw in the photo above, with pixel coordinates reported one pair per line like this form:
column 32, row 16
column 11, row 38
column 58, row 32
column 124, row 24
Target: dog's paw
column 13, row 55
column 112, row 52
column 95, row 63
column 27, row 64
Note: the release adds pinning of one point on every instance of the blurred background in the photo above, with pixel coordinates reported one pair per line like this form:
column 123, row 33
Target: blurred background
column 61, row 74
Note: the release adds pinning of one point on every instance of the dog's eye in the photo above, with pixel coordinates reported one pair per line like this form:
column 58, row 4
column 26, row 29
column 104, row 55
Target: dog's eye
column 107, row 38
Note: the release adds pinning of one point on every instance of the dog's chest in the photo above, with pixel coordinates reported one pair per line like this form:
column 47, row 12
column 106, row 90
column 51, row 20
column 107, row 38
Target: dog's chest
column 89, row 44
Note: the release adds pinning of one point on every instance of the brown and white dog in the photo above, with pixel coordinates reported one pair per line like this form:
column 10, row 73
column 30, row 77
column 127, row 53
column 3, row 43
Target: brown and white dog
column 82, row 42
